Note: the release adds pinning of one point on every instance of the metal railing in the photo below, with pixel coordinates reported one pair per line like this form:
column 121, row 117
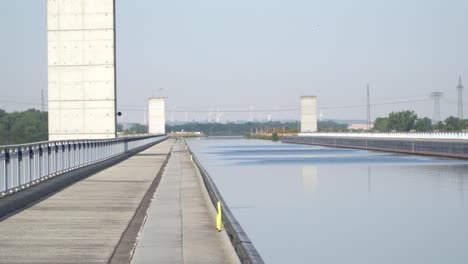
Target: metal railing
column 22, row 166
column 408, row 135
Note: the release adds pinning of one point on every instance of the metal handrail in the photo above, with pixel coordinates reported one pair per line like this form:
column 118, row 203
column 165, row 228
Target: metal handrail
column 24, row 165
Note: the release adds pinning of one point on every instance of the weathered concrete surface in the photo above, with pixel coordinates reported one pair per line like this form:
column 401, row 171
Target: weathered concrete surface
column 84, row 222
column 181, row 226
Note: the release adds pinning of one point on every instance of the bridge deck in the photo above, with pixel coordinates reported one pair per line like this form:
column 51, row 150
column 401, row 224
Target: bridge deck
column 181, row 226
column 84, row 222
column 89, row 221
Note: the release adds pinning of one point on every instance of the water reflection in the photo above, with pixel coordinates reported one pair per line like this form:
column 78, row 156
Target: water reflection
column 310, row 179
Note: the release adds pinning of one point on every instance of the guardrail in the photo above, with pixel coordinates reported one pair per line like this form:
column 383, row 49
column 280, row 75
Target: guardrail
column 22, row 166
column 245, row 249
column 408, row 135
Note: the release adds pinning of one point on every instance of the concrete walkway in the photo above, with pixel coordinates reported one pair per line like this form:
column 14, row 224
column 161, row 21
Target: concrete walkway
column 84, row 222
column 181, row 227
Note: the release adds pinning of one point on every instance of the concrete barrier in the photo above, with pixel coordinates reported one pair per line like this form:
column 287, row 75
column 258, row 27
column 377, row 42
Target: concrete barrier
column 246, row 251
column 432, row 147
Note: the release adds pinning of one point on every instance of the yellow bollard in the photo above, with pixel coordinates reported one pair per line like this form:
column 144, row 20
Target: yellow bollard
column 218, row 218
column 191, row 158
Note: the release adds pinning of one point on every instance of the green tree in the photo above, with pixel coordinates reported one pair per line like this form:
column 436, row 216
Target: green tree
column 423, row 125
column 275, row 137
column 402, row 121
column 453, row 124
column 137, row 129
column 381, row 124
column 23, row 127
column 120, row 128
column 440, row 126
column 331, row 126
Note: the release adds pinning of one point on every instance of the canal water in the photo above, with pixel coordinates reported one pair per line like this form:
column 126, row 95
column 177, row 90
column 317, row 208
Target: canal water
column 310, row 204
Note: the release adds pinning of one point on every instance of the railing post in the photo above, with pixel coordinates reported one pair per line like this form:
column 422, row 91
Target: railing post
column 41, row 161
column 24, row 160
column 2, row 169
column 30, row 158
column 6, row 171
column 48, row 160
column 14, row 180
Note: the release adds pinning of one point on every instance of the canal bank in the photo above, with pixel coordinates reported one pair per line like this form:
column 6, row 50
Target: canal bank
column 431, row 147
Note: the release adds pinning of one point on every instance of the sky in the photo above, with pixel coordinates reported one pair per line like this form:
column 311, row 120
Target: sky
column 260, row 54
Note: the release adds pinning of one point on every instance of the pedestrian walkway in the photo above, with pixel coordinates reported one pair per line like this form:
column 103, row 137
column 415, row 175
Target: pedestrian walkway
column 181, row 227
column 83, row 223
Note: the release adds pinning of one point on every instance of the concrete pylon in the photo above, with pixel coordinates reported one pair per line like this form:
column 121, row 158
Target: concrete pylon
column 308, row 114
column 81, row 69
column 156, row 115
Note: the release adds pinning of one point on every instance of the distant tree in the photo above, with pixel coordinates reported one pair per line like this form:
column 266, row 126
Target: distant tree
column 453, row 124
column 137, row 129
column 423, row 125
column 402, row 121
column 233, row 129
column 23, row 127
column 120, row 128
column 331, row 126
column 440, row 126
column 381, row 124
column 275, row 137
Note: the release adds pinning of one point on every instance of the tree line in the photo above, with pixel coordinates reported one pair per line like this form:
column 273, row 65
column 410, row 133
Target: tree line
column 32, row 126
column 405, row 121
column 23, row 127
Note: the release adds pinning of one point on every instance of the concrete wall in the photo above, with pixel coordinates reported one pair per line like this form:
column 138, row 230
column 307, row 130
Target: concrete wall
column 308, row 114
column 156, row 116
column 81, row 69
column 433, row 147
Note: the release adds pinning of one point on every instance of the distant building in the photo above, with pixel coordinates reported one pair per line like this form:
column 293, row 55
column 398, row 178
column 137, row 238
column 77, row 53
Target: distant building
column 308, row 114
column 157, row 115
column 360, row 126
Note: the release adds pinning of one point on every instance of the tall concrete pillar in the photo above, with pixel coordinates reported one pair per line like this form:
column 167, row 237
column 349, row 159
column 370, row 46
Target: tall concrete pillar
column 81, row 69
column 308, row 114
column 156, row 115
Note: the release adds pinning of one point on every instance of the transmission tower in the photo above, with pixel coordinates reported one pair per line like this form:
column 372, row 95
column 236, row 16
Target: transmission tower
column 368, row 108
column 436, row 97
column 460, row 98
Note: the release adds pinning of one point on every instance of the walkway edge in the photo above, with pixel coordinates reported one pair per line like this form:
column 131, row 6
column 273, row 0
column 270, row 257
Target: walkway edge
column 19, row 201
column 244, row 248
column 125, row 249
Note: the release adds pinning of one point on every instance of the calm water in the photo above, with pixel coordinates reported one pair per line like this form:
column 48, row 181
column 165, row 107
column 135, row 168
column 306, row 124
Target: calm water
column 307, row 204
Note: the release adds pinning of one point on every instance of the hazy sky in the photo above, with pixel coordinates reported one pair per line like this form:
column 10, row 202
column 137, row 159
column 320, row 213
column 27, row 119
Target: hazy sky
column 260, row 53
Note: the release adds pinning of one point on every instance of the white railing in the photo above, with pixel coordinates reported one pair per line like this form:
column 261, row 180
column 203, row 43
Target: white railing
column 402, row 135
column 22, row 166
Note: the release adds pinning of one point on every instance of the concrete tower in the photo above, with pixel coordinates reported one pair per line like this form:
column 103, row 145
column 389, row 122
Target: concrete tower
column 308, row 114
column 81, row 69
column 157, row 115
column 460, row 98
